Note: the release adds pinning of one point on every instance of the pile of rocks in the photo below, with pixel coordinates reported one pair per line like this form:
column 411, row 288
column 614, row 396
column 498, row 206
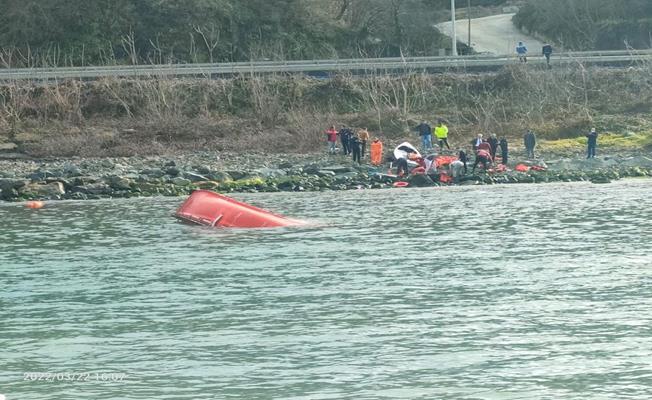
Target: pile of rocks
column 123, row 178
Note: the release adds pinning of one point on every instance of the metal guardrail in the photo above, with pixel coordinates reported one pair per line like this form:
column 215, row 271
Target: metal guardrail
column 314, row 66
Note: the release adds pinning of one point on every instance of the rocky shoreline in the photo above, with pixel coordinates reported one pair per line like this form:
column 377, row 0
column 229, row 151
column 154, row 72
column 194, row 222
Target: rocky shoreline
column 86, row 179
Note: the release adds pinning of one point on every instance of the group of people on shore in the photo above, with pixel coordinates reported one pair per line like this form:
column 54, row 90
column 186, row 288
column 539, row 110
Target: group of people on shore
column 485, row 149
column 353, row 144
column 441, row 133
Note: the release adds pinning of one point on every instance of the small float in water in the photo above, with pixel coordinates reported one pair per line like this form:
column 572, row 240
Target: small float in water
column 208, row 208
column 34, row 205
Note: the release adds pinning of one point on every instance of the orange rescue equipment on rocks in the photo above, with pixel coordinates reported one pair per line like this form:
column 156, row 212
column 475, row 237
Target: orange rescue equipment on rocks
column 522, row 168
column 401, row 184
column 208, row 208
column 443, row 161
column 376, row 152
column 445, row 178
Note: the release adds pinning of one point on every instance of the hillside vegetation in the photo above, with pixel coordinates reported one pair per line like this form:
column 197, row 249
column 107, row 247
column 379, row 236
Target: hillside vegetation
column 289, row 114
column 86, row 32
column 589, row 24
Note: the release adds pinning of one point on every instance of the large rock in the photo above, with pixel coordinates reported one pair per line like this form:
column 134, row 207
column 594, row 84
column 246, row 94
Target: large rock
column 237, row 175
column 42, row 174
column 338, row 169
column 420, row 181
column 93, row 189
column 178, row 181
column 173, row 171
column 207, row 185
column 119, row 182
column 70, row 171
column 220, row 176
column 43, row 190
column 347, row 175
column 9, row 184
column 153, row 172
column 13, row 156
column 192, row 177
column 83, row 180
column 638, row 161
column 8, row 146
column 270, row 172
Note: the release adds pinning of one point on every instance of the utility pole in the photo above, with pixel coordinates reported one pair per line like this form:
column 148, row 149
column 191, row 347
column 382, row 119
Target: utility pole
column 454, row 35
column 468, row 14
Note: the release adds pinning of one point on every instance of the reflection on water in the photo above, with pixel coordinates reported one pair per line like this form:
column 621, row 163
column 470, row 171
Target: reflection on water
column 505, row 292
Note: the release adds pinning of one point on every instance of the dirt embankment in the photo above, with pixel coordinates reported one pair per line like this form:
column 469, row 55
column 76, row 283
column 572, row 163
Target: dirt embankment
column 281, row 114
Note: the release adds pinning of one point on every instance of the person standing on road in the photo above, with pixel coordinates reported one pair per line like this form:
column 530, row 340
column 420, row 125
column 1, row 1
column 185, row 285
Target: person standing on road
column 363, row 135
column 521, row 52
column 441, row 132
column 546, row 50
column 425, row 131
column 592, row 143
column 530, row 142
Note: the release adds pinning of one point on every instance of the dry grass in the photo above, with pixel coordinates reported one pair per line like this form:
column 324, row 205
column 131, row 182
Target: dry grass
column 288, row 114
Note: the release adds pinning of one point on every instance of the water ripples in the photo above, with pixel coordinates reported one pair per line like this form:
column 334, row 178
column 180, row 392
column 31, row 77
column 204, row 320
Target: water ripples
column 505, row 292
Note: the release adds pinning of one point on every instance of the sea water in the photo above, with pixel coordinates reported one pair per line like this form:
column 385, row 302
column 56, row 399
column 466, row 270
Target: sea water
column 488, row 292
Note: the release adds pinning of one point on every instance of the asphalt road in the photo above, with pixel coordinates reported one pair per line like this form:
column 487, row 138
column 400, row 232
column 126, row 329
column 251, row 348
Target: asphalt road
column 495, row 34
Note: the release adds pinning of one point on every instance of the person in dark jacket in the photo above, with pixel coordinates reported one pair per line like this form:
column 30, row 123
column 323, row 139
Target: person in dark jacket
column 592, row 143
column 530, row 142
column 345, row 137
column 425, row 131
column 463, row 158
column 402, row 168
column 355, row 146
column 504, row 151
column 493, row 142
column 546, row 50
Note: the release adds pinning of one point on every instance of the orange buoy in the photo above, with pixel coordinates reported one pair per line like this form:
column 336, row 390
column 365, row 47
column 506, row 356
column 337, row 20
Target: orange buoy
column 35, row 205
column 401, row 184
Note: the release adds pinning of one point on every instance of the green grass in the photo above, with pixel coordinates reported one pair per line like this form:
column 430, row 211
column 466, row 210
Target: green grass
column 633, row 141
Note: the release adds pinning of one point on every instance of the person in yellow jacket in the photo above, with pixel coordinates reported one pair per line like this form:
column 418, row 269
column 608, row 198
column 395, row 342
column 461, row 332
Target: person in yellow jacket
column 441, row 132
column 363, row 136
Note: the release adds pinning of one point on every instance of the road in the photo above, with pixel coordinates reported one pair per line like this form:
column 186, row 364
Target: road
column 327, row 68
column 495, row 34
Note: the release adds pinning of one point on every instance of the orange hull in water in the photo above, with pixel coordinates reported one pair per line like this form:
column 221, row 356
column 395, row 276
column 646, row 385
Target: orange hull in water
column 208, row 208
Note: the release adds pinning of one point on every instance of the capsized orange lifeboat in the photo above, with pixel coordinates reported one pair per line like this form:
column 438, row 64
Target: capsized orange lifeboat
column 208, row 208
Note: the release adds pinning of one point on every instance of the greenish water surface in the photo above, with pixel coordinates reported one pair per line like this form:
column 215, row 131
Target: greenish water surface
column 492, row 292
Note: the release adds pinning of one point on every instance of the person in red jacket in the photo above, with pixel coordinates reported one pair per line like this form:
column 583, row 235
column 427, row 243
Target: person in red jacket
column 485, row 145
column 482, row 156
column 331, row 136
